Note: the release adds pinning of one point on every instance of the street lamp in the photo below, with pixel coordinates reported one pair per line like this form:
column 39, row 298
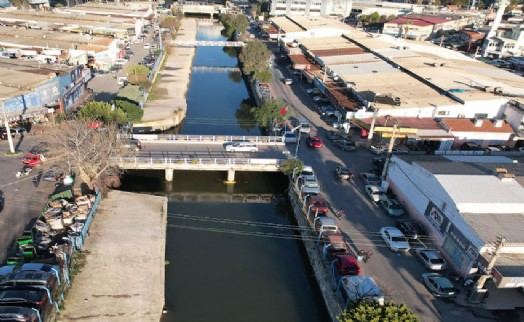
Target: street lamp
column 7, row 129
column 298, row 143
column 390, row 148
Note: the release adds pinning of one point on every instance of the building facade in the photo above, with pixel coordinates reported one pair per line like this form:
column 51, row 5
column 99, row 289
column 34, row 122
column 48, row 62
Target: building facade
column 311, row 7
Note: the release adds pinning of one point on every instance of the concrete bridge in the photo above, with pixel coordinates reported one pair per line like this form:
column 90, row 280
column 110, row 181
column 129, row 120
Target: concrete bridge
column 205, row 139
column 215, row 69
column 169, row 164
column 224, row 197
column 196, row 43
column 201, row 9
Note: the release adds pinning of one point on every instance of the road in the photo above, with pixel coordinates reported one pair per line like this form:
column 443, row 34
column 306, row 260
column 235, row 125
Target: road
column 398, row 274
column 22, row 200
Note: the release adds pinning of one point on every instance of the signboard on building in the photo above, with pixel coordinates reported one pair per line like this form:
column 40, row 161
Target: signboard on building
column 464, row 243
column 49, row 92
column 22, row 103
column 76, row 74
column 436, row 218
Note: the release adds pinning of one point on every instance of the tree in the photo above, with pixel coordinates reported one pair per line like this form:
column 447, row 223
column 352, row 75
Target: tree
column 137, row 72
column 374, row 17
column 232, row 23
column 263, row 76
column 269, row 111
column 480, row 4
column 133, row 112
column 289, row 165
column 101, row 111
column 170, row 22
column 88, row 152
column 244, row 116
column 254, row 57
column 373, row 312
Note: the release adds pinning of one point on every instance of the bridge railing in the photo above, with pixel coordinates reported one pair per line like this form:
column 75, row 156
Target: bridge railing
column 200, row 163
column 205, row 139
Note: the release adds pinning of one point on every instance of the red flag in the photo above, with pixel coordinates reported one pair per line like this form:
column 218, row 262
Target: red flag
column 283, row 111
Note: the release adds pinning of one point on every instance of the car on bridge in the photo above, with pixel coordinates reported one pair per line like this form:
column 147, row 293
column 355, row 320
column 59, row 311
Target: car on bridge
column 241, row 147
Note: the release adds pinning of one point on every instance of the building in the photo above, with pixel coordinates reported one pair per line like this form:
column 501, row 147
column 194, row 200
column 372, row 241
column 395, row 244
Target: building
column 424, row 27
column 311, row 7
column 481, row 131
column 465, row 203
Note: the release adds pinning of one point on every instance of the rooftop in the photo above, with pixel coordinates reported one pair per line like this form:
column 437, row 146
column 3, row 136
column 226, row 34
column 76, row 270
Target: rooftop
column 486, row 126
column 490, row 226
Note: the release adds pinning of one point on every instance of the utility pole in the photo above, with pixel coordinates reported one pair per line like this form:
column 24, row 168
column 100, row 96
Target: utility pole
column 298, row 143
column 479, row 292
column 390, row 148
column 372, row 128
column 7, row 128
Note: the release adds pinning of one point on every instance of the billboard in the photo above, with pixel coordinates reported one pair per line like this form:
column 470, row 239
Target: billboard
column 436, row 218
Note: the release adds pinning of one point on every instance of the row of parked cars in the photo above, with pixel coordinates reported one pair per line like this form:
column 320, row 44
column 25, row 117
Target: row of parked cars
column 341, row 263
column 399, row 238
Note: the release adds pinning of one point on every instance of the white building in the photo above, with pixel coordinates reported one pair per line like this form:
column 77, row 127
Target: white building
column 465, row 203
column 311, row 7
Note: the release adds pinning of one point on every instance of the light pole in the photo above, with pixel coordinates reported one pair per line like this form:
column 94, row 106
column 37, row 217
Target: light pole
column 7, row 129
column 390, row 148
column 298, row 143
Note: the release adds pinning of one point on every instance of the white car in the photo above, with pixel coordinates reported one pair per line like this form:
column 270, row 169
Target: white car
column 147, row 46
column 394, row 238
column 375, row 193
column 431, row 258
column 241, row 147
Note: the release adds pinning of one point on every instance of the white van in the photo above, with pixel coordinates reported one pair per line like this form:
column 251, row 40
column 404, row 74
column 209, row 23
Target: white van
column 241, row 147
column 304, row 127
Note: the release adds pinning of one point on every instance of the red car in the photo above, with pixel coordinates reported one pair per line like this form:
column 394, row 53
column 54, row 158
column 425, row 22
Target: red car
column 31, row 160
column 314, row 142
column 346, row 264
column 317, row 203
column 334, row 245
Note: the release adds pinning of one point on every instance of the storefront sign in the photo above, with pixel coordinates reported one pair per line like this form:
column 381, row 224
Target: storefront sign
column 463, row 242
column 436, row 218
column 76, row 74
column 49, row 92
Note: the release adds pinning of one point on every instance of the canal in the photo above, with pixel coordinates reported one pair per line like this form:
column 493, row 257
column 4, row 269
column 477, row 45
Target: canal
column 229, row 260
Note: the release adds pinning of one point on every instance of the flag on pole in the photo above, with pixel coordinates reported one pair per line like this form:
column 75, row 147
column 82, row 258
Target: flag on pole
column 283, row 111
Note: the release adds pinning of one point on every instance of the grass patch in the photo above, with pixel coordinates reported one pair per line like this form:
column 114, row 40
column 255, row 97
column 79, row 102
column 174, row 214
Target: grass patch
column 9, row 153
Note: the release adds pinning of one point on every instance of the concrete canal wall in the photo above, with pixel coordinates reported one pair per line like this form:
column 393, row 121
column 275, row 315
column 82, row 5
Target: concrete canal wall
column 169, row 110
column 124, row 272
column 315, row 258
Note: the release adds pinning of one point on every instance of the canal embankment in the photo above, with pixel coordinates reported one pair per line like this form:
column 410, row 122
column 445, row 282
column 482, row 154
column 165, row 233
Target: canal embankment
column 124, row 273
column 169, row 109
column 315, row 258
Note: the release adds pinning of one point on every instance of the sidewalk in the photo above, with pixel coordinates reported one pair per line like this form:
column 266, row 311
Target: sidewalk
column 170, row 109
column 123, row 278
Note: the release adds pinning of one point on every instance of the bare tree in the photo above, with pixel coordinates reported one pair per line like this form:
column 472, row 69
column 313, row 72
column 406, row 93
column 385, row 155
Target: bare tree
column 89, row 152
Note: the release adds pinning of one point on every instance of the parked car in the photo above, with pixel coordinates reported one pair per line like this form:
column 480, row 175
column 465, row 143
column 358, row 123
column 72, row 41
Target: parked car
column 370, row 178
column 319, row 98
column 288, row 81
column 375, row 193
column 431, row 258
column 470, row 146
column 32, row 160
column 412, row 229
column 394, row 238
column 52, row 175
column 241, row 147
column 346, row 264
column 147, row 45
column 19, row 313
column 290, row 137
column 314, row 142
column 345, row 145
column 313, row 91
column 343, row 173
column 309, row 185
column 391, row 206
column 317, row 203
column 304, row 127
column 335, row 135
column 376, row 149
column 334, row 244
column 438, row 285
column 18, row 131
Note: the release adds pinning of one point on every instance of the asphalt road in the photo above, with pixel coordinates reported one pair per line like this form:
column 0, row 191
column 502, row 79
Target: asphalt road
column 22, row 200
column 398, row 274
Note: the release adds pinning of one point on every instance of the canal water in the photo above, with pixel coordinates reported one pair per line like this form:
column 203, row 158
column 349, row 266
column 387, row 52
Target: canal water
column 229, row 260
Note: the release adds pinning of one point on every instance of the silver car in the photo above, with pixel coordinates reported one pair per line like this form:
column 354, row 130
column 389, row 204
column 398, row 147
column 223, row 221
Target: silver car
column 391, row 206
column 431, row 258
column 394, row 238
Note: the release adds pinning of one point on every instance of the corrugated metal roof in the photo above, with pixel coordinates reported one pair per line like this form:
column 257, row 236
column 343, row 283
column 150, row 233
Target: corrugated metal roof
column 510, row 265
column 481, row 189
column 490, row 226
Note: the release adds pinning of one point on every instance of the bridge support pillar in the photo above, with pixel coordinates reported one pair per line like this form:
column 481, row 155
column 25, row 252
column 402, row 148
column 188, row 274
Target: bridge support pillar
column 230, row 176
column 169, row 174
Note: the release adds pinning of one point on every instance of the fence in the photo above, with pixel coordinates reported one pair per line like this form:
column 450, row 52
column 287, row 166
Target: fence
column 200, row 163
column 79, row 240
column 205, row 139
